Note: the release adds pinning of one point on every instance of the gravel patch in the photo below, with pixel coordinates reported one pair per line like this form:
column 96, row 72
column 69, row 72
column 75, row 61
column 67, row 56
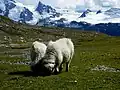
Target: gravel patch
column 15, row 63
column 105, row 68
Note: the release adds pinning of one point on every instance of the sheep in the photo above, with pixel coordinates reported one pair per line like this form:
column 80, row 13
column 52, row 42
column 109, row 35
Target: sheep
column 58, row 52
column 38, row 51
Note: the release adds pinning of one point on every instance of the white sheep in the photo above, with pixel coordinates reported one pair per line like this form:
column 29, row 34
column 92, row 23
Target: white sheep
column 38, row 51
column 58, row 52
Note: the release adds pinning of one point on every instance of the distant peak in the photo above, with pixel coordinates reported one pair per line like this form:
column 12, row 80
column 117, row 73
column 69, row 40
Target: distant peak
column 113, row 12
column 44, row 8
column 88, row 10
column 99, row 11
column 113, row 9
column 9, row 1
column 39, row 2
column 85, row 12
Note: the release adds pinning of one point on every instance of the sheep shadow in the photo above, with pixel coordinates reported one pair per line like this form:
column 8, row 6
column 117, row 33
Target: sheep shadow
column 28, row 74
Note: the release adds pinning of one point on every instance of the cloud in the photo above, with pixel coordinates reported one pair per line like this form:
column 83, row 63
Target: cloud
column 98, row 4
column 84, row 4
column 29, row 2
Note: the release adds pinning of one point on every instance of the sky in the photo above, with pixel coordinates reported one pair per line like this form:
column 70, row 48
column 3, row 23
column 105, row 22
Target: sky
column 83, row 4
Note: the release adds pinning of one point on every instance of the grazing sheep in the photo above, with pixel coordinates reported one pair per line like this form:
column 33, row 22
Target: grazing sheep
column 38, row 51
column 58, row 52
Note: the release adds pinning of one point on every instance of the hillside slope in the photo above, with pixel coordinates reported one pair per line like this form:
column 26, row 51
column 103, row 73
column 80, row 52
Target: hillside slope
column 30, row 33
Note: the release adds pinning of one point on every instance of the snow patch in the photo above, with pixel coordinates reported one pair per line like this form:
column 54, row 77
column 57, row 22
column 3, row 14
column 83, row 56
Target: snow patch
column 2, row 6
column 30, row 7
column 14, row 13
column 69, row 15
column 36, row 17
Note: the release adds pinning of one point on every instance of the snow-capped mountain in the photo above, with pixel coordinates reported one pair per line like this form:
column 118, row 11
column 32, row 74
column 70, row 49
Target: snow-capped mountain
column 85, row 13
column 26, row 13
column 41, row 8
column 46, row 12
column 5, row 6
column 111, row 15
column 99, row 11
column 113, row 12
column 45, row 15
column 100, row 21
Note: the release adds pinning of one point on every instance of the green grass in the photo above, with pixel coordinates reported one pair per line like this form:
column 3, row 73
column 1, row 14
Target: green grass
column 91, row 49
column 80, row 77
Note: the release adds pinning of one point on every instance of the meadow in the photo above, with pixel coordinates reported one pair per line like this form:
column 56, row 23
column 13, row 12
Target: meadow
column 95, row 65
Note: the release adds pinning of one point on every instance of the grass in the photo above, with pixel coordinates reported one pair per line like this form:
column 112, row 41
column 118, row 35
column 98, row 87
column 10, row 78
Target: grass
column 91, row 49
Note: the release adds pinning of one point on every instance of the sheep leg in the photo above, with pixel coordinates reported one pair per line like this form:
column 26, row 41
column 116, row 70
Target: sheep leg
column 33, row 56
column 61, row 67
column 67, row 65
column 57, row 68
column 36, row 58
column 58, row 63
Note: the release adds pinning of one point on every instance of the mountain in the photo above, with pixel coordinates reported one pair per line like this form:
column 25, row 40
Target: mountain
column 111, row 15
column 41, row 8
column 47, row 13
column 44, row 15
column 9, row 5
column 99, row 11
column 15, row 11
column 5, row 6
column 85, row 13
column 112, row 29
column 25, row 13
column 113, row 12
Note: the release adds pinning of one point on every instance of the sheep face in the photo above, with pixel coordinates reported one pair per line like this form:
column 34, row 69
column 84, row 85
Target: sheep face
column 44, row 68
column 49, row 67
column 49, row 64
